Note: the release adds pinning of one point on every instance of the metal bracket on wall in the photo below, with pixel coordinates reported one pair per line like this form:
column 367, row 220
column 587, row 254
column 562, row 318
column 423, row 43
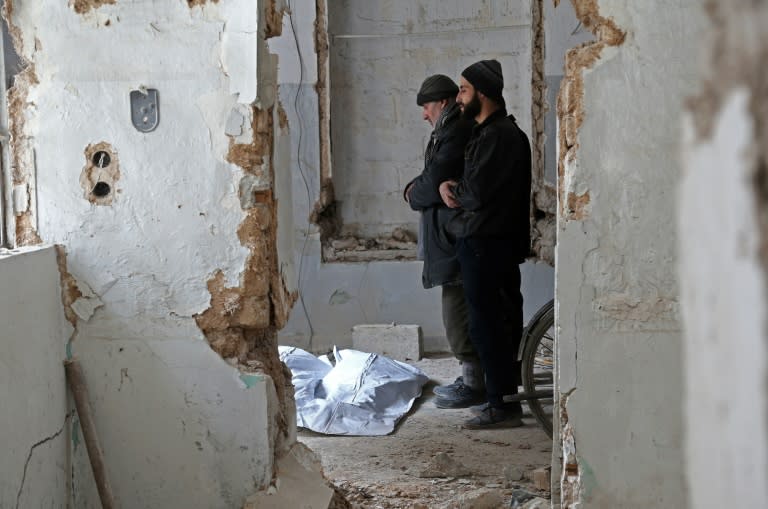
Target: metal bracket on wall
column 145, row 109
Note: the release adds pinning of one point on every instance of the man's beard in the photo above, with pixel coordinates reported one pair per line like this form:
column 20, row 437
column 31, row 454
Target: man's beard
column 472, row 108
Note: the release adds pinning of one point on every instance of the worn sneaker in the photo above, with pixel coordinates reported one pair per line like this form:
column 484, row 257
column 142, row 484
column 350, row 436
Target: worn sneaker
column 460, row 397
column 448, row 388
column 495, row 417
column 479, row 409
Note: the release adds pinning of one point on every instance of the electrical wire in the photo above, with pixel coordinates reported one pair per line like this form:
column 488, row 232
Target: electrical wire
column 301, row 170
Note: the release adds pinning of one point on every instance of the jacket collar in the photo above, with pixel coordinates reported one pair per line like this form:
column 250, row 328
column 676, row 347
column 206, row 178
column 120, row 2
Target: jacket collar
column 448, row 114
column 493, row 117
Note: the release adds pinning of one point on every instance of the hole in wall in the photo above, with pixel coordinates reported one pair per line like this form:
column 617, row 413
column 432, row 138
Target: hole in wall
column 99, row 178
column 101, row 159
column 101, row 189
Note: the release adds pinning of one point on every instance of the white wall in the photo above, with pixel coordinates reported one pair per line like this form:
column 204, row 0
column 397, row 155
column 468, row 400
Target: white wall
column 179, row 426
column 619, row 340
column 34, row 421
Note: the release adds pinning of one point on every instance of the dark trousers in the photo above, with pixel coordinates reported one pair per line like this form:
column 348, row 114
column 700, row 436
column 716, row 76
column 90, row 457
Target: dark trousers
column 491, row 277
column 456, row 322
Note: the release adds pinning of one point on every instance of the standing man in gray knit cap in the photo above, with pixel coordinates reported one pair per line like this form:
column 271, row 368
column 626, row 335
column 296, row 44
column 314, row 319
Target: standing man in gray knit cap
column 493, row 235
column 444, row 160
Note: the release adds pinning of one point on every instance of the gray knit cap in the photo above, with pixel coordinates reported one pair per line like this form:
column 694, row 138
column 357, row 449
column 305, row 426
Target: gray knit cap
column 486, row 77
column 436, row 88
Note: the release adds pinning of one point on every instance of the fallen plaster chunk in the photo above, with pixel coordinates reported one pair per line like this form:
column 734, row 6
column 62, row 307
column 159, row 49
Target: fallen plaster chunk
column 399, row 342
column 298, row 484
column 88, row 302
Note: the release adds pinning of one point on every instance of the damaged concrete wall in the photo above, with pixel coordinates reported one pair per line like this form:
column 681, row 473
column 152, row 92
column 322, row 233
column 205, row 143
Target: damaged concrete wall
column 338, row 295
column 561, row 32
column 619, row 342
column 724, row 262
column 170, row 244
column 34, row 420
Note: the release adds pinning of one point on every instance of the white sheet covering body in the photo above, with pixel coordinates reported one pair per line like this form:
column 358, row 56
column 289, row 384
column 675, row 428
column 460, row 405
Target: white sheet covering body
column 363, row 394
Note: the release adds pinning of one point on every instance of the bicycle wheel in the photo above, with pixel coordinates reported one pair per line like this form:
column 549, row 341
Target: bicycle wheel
column 538, row 364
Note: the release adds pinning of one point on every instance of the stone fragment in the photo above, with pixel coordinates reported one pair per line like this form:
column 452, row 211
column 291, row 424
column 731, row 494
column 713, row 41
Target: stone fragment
column 483, row 498
column 512, row 474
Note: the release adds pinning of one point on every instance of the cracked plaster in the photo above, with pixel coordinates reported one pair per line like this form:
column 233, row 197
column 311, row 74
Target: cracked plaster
column 617, row 294
column 183, row 215
column 32, row 384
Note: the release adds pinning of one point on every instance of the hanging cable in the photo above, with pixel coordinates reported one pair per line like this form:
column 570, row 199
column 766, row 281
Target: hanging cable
column 301, row 170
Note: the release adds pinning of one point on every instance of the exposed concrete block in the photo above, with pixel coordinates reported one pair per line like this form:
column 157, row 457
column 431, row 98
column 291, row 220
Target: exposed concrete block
column 541, row 478
column 399, row 342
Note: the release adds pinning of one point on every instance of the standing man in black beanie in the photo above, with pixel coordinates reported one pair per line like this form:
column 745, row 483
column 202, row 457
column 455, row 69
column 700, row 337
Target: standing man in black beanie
column 493, row 235
column 444, row 160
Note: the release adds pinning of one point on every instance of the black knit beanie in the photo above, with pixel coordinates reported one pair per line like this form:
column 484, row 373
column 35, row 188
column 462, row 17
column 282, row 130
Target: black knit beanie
column 486, row 77
column 436, row 88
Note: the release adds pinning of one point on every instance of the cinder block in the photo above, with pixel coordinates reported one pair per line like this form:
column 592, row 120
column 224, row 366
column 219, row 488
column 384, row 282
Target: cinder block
column 542, row 478
column 399, row 342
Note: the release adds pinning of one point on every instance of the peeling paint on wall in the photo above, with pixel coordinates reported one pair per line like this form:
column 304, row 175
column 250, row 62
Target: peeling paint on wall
column 570, row 107
column 69, row 291
column 22, row 154
column 274, row 18
column 83, row 6
column 282, row 117
column 77, row 298
column 241, row 322
column 324, row 212
column 570, row 482
column 542, row 219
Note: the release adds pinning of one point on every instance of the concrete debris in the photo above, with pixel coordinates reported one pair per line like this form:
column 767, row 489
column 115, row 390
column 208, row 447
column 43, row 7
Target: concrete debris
column 512, row 474
column 536, row 503
column 521, row 498
column 402, row 235
column 343, row 244
column 483, row 498
column 443, row 465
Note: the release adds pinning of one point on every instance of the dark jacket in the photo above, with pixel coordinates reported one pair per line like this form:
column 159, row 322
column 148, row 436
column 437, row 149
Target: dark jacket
column 495, row 189
column 443, row 160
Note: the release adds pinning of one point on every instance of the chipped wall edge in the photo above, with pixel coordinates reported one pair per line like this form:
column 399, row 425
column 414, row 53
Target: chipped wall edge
column 574, row 206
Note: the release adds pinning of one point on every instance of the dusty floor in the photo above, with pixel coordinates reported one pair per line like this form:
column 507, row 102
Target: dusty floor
column 387, row 472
